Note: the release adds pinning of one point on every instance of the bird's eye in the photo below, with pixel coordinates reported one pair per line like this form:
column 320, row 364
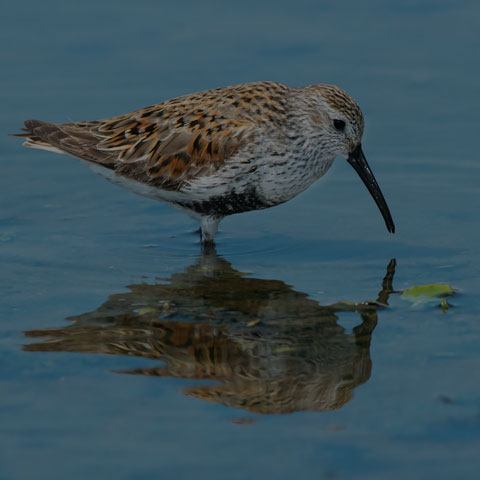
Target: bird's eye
column 339, row 125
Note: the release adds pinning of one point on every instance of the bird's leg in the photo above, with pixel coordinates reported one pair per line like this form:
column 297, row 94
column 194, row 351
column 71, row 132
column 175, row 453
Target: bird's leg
column 208, row 228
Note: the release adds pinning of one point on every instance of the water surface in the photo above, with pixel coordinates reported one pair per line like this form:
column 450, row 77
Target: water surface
column 291, row 350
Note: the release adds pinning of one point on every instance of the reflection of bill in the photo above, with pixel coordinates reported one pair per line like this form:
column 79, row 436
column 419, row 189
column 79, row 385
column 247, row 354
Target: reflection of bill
column 269, row 348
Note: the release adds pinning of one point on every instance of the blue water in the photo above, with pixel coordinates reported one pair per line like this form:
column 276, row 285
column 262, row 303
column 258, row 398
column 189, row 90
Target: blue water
column 125, row 352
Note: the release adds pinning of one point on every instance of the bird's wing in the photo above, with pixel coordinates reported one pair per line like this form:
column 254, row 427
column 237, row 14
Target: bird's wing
column 169, row 143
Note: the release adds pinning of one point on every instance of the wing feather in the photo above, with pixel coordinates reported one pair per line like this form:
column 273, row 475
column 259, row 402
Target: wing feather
column 172, row 142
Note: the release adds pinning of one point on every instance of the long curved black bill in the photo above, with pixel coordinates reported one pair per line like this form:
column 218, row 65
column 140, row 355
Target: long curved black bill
column 358, row 161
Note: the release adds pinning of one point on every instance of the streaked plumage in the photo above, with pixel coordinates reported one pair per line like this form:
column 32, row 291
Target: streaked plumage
column 221, row 151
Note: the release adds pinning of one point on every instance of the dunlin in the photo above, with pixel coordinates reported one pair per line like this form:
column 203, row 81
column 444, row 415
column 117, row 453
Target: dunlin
column 223, row 151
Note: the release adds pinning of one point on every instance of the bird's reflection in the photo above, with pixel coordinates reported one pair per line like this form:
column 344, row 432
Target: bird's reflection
column 268, row 348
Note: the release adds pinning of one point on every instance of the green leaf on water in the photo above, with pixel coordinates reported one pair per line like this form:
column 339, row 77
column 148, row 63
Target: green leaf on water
column 423, row 294
column 432, row 290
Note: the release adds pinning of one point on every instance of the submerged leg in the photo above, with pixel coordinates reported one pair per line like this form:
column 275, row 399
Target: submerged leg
column 208, row 228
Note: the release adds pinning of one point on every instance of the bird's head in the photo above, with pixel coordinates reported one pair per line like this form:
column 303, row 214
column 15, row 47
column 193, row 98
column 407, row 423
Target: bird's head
column 338, row 122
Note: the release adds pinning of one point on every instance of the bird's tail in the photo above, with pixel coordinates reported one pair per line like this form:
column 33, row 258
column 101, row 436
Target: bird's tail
column 79, row 139
column 36, row 133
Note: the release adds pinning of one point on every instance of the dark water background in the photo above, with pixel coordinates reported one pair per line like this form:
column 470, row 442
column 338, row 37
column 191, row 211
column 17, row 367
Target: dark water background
column 261, row 362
